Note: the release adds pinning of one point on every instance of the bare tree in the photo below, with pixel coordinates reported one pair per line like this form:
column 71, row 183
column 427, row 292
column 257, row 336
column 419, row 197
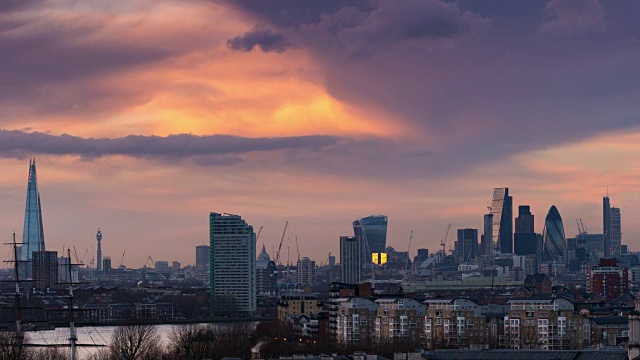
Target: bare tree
column 51, row 354
column 12, row 347
column 191, row 342
column 135, row 342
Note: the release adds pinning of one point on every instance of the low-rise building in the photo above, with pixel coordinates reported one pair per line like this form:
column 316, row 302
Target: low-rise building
column 297, row 303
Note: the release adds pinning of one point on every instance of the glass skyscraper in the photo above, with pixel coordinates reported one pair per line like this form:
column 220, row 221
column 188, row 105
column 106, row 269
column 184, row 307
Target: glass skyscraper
column 373, row 229
column 554, row 240
column 467, row 245
column 233, row 265
column 351, row 259
column 502, row 211
column 486, row 243
column 33, row 233
column 616, row 233
column 611, row 229
column 525, row 239
column 606, row 226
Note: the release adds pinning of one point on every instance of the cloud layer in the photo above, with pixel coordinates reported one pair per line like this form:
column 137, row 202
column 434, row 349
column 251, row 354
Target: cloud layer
column 19, row 144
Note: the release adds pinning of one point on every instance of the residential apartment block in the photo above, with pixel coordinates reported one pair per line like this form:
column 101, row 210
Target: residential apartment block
column 399, row 320
column 355, row 320
column 547, row 324
column 454, row 323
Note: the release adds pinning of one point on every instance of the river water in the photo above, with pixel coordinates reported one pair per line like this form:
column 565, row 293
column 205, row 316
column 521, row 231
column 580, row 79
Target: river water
column 99, row 335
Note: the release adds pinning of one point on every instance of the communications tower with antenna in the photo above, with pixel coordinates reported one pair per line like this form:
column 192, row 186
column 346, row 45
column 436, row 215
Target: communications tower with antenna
column 99, row 238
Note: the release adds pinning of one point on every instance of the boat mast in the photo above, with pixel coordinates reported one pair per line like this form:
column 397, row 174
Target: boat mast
column 19, row 335
column 72, row 330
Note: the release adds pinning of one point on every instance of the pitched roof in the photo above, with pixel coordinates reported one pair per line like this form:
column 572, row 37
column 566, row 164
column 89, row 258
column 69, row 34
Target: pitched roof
column 537, row 278
column 618, row 354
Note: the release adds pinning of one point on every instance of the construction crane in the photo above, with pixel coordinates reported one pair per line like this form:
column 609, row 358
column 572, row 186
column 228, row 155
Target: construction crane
column 122, row 259
column 297, row 248
column 406, row 267
column 147, row 261
column 75, row 253
column 443, row 242
column 281, row 240
column 327, row 262
column 258, row 236
column 92, row 258
column 330, row 268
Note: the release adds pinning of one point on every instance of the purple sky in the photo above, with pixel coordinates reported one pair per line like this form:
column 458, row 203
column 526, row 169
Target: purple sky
column 144, row 116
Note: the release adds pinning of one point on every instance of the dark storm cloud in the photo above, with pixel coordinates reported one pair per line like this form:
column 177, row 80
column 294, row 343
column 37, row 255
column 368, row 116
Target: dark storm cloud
column 392, row 24
column 266, row 39
column 360, row 28
column 293, row 13
column 211, row 149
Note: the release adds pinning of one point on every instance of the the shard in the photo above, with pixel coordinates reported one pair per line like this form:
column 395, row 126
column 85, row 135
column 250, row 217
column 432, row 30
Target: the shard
column 33, row 234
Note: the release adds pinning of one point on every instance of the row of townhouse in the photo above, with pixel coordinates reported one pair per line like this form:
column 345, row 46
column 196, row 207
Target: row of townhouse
column 527, row 323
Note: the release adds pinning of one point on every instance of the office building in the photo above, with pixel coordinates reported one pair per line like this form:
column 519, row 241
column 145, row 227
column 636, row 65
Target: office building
column 554, row 240
column 45, row 269
column 162, row 266
column 202, row 255
column 373, row 229
column 233, row 265
column 351, row 260
column 266, row 275
column 606, row 226
column 487, row 246
column 502, row 211
column 106, row 264
column 524, row 238
column 612, row 229
column 306, row 271
column 608, row 279
column 33, row 233
column 467, row 245
column 615, row 232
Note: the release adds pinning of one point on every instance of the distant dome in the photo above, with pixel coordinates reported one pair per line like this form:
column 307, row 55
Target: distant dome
column 390, row 249
column 263, row 255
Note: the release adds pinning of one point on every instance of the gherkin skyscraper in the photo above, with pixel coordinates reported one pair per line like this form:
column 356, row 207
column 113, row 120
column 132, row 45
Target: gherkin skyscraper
column 33, row 234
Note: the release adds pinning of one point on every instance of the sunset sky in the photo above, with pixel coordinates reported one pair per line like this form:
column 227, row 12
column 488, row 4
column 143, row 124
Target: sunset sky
column 146, row 115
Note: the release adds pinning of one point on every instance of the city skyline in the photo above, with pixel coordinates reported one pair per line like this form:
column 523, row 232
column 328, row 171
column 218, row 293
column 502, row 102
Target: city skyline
column 143, row 123
column 514, row 220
